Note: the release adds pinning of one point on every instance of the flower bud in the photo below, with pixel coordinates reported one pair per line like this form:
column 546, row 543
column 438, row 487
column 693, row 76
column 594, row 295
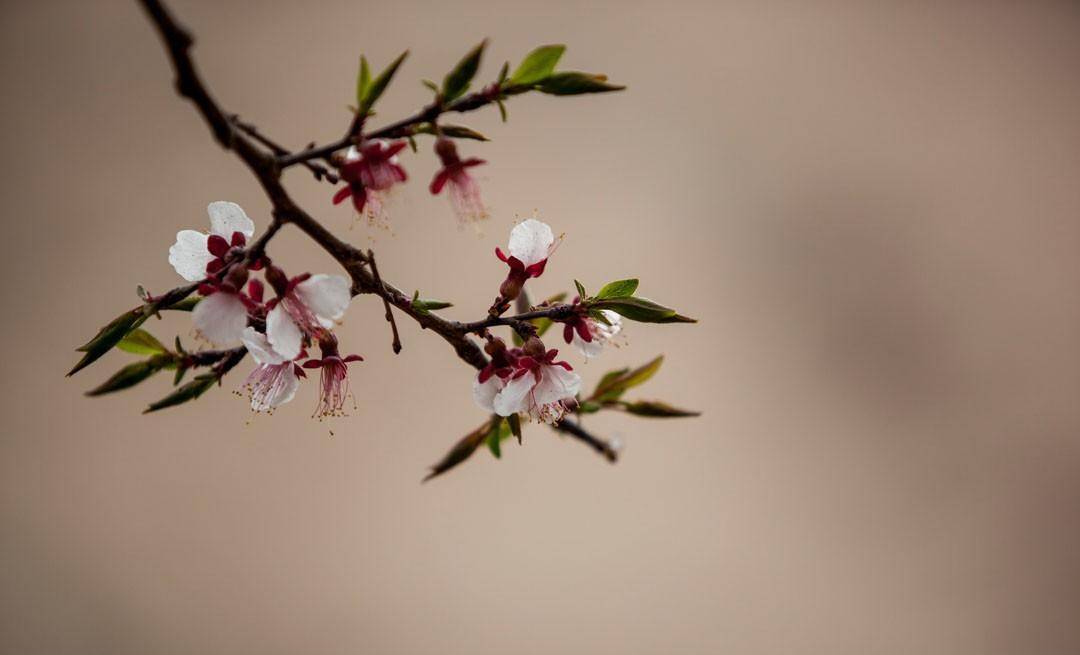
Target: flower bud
column 277, row 279
column 446, row 150
column 511, row 286
column 534, row 348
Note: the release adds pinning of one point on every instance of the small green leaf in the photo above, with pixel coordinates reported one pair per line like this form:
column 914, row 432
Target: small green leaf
column 615, row 383
column 454, row 131
column 363, row 81
column 425, row 305
column 657, row 409
column 456, row 82
column 599, row 315
column 185, row 305
column 128, row 376
column 108, row 336
column 642, row 310
column 538, row 65
column 573, row 83
column 515, row 426
column 431, row 85
column 141, row 342
column 503, row 72
column 502, row 109
column 589, row 407
column 618, row 289
column 461, row 451
column 190, row 391
column 379, row 84
column 412, row 143
column 580, row 291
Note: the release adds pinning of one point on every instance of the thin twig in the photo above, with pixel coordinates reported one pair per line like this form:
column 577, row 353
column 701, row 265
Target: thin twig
column 396, row 345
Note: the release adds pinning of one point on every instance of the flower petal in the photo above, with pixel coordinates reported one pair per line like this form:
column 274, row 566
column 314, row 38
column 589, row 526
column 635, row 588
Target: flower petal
column 512, row 399
column 531, row 241
column 272, row 385
column 484, row 392
column 327, row 296
column 259, row 347
column 227, row 217
column 283, row 333
column 189, row 255
column 588, row 348
column 556, row 383
column 220, row 318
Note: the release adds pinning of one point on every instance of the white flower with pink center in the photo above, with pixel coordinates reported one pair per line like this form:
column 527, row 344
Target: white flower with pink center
column 197, row 254
column 276, row 378
column 589, row 335
column 540, row 387
column 531, row 243
column 308, row 305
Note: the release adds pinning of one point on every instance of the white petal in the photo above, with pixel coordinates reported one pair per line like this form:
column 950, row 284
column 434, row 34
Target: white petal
column 352, row 154
column 259, row 347
column 588, row 348
column 189, row 255
column 327, row 296
column 484, row 394
column 283, row 333
column 556, row 383
column 512, row 399
column 277, row 386
column 530, row 241
column 227, row 217
column 221, row 318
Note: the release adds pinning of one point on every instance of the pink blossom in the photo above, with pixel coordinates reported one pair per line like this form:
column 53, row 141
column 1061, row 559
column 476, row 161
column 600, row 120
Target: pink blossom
column 368, row 172
column 464, row 191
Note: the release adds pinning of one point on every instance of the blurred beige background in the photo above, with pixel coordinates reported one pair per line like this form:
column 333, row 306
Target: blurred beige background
column 872, row 207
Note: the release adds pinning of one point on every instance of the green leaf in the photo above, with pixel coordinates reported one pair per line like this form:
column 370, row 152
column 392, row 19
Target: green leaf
column 141, row 342
column 538, row 65
column 108, row 336
column 581, row 291
column 185, row 305
column 642, row 310
column 462, row 450
column 573, row 83
column 425, row 305
column 456, row 82
column 499, row 433
column 615, row 383
column 589, row 407
column 129, row 376
column 363, row 81
column 502, row 109
column 431, row 85
column 515, row 426
column 618, row 289
column 454, row 131
column 657, row 409
column 379, row 84
column 189, row 391
column 503, row 72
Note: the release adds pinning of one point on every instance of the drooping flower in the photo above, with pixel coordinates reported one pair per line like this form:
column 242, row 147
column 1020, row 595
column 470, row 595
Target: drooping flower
column 531, row 243
column 222, row 314
column 306, row 306
column 276, row 378
column 590, row 335
column 464, row 191
column 334, row 381
column 196, row 254
column 493, row 377
column 541, row 387
column 368, row 171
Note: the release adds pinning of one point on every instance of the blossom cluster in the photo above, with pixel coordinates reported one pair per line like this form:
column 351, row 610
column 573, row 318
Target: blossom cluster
column 277, row 331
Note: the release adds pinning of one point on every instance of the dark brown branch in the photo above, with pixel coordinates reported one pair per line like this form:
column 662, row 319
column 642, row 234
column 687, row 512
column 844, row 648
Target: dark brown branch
column 320, row 172
column 555, row 312
column 396, row 345
column 566, row 426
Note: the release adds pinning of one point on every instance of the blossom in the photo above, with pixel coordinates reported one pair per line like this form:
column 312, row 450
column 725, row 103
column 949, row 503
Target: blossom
column 589, row 335
column 222, row 314
column 531, row 243
column 368, row 171
column 276, row 378
column 464, row 191
column 493, row 377
column 307, row 306
column 196, row 255
column 541, row 387
column 334, row 381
